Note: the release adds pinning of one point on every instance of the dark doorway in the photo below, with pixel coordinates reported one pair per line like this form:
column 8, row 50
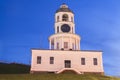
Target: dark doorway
column 67, row 64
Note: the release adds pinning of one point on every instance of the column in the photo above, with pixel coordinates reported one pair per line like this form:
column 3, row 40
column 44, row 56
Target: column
column 70, row 44
column 73, row 29
column 50, row 44
column 62, row 42
column 55, row 27
column 79, row 44
column 55, row 43
column 76, row 44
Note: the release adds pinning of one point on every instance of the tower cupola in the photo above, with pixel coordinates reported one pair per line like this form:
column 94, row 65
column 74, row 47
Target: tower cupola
column 64, row 26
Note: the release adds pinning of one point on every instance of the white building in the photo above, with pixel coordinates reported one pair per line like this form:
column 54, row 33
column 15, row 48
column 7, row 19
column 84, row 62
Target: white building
column 64, row 49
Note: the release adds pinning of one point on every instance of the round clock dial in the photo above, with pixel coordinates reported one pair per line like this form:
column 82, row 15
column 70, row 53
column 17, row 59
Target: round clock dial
column 65, row 28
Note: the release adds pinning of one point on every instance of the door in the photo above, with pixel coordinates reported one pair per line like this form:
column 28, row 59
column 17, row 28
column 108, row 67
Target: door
column 67, row 63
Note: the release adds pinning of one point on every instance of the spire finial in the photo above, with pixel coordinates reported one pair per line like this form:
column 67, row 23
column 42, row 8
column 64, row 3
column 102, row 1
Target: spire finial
column 63, row 5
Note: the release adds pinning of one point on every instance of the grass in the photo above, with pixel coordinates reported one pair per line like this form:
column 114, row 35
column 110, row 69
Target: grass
column 54, row 77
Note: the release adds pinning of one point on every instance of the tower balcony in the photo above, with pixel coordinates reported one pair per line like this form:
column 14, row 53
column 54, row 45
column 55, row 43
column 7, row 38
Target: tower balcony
column 64, row 41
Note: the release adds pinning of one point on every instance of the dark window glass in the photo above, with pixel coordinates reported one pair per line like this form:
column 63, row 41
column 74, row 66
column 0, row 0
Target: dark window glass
column 67, row 64
column 51, row 60
column 57, row 45
column 72, row 19
column 82, row 61
column 38, row 59
column 95, row 61
column 58, row 29
column 57, row 18
column 73, row 46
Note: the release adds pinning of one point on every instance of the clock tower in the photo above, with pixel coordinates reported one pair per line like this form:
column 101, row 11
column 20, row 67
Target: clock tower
column 64, row 37
column 64, row 52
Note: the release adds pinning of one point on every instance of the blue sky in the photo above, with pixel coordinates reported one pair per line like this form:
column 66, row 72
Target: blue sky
column 26, row 24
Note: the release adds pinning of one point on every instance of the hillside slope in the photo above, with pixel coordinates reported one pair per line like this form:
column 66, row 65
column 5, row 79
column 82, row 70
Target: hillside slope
column 54, row 77
column 15, row 71
column 13, row 68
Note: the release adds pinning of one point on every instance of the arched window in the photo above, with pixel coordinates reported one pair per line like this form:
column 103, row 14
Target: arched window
column 65, row 44
column 57, row 29
column 71, row 19
column 72, row 29
column 57, row 45
column 65, row 17
column 57, row 18
column 73, row 46
column 52, row 44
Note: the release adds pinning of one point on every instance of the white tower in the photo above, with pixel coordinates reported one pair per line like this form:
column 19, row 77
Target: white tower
column 64, row 37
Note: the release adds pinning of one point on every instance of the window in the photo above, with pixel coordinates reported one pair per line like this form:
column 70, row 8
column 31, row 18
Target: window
column 72, row 29
column 65, row 17
column 38, row 59
column 57, row 18
column 71, row 19
column 73, row 46
column 51, row 60
column 82, row 61
column 95, row 61
column 65, row 44
column 52, row 44
column 58, row 29
column 57, row 45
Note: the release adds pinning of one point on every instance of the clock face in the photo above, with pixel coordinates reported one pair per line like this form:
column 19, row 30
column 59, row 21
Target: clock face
column 65, row 28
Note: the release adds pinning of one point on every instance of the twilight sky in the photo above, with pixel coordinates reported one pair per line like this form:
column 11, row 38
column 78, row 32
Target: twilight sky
column 26, row 24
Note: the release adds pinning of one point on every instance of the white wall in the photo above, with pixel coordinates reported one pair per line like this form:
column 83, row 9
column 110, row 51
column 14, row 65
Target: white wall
column 60, row 56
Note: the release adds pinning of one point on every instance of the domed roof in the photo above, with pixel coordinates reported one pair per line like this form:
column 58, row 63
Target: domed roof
column 64, row 8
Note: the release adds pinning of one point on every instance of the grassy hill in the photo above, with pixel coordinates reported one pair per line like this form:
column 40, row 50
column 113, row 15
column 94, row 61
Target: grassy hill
column 54, row 77
column 13, row 68
column 15, row 71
